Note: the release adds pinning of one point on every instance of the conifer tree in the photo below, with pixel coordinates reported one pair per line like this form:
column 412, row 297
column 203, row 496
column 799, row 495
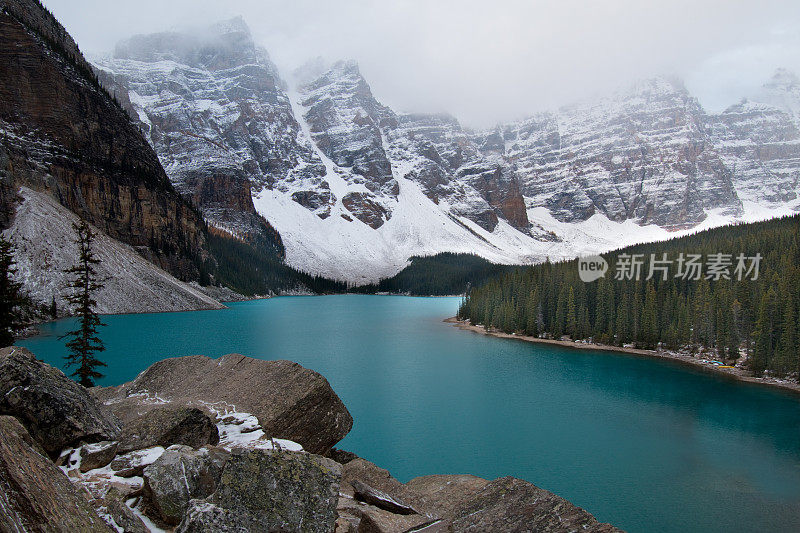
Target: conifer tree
column 765, row 334
column 13, row 300
column 649, row 318
column 84, row 341
column 572, row 318
column 787, row 343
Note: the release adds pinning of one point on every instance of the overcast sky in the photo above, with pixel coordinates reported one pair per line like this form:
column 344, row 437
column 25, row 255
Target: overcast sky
column 487, row 61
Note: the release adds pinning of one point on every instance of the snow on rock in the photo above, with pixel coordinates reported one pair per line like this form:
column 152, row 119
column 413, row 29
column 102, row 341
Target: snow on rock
column 43, row 239
column 241, row 430
column 124, row 474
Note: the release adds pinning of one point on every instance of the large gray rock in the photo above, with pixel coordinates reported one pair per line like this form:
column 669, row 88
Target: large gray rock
column 165, row 426
column 290, row 401
column 97, row 455
column 263, row 490
column 34, row 494
column 56, row 411
column 113, row 509
column 510, row 504
column 453, row 503
column 372, row 501
column 182, row 474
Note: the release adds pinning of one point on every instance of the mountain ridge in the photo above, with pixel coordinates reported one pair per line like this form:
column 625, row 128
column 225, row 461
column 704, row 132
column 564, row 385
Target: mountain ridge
column 383, row 186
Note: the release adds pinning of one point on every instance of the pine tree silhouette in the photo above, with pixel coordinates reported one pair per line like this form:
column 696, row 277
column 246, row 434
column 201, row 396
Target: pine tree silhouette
column 84, row 341
column 13, row 300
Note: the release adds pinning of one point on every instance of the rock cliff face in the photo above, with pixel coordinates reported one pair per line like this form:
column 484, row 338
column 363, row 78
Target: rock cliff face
column 64, row 135
column 214, row 109
column 759, row 140
column 44, row 246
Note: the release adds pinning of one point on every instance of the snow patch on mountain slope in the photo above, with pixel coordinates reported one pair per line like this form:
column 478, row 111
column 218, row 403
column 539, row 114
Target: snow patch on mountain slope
column 598, row 234
column 351, row 250
column 43, row 239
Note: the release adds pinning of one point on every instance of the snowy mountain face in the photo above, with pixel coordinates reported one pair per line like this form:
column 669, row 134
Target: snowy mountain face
column 642, row 154
column 759, row 140
column 344, row 121
column 214, row 109
column 355, row 189
column 760, row 143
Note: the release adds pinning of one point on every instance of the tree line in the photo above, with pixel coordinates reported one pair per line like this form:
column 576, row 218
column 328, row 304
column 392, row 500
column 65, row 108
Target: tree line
column 714, row 312
column 443, row 274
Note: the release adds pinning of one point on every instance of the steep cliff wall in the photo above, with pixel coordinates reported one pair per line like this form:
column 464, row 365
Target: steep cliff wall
column 62, row 134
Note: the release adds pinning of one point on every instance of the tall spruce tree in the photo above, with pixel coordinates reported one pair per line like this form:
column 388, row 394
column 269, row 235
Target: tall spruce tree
column 84, row 341
column 12, row 298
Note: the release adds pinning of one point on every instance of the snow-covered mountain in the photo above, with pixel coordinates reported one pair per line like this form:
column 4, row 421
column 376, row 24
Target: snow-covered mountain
column 355, row 188
column 641, row 154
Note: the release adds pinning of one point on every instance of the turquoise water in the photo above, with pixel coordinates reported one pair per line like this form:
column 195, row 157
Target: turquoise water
column 646, row 445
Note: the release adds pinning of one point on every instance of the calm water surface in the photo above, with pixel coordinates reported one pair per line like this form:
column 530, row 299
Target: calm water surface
column 646, row 445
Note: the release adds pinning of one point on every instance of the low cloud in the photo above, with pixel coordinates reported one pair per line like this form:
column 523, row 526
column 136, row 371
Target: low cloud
column 486, row 62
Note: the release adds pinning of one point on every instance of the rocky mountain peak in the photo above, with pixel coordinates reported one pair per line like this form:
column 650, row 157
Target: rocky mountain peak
column 345, row 120
column 220, row 46
column 782, row 91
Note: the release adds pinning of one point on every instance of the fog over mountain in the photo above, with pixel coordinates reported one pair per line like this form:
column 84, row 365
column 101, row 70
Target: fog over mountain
column 489, row 62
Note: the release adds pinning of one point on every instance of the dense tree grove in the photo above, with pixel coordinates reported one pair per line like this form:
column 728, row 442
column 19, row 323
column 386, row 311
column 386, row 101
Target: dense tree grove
column 439, row 275
column 724, row 306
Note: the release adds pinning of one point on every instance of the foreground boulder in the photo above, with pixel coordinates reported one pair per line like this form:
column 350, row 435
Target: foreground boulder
column 182, row 474
column 57, row 412
column 510, row 504
column 290, row 402
column 132, row 464
column 34, row 494
column 112, row 506
column 371, row 500
column 264, row 490
column 97, row 455
column 165, row 426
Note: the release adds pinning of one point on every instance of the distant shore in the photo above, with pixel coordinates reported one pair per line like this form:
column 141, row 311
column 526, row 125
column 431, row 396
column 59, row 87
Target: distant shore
column 702, row 364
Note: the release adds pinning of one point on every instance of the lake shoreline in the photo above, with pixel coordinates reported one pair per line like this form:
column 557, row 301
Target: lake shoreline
column 734, row 373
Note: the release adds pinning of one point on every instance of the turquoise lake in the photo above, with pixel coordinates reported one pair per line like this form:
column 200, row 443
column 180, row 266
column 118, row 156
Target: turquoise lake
column 644, row 444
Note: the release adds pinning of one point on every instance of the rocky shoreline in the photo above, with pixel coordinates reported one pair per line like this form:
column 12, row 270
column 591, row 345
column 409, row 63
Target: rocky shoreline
column 737, row 373
column 233, row 444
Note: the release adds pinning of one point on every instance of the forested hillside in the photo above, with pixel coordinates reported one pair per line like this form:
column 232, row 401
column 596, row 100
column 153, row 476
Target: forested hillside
column 439, row 275
column 253, row 269
column 731, row 304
